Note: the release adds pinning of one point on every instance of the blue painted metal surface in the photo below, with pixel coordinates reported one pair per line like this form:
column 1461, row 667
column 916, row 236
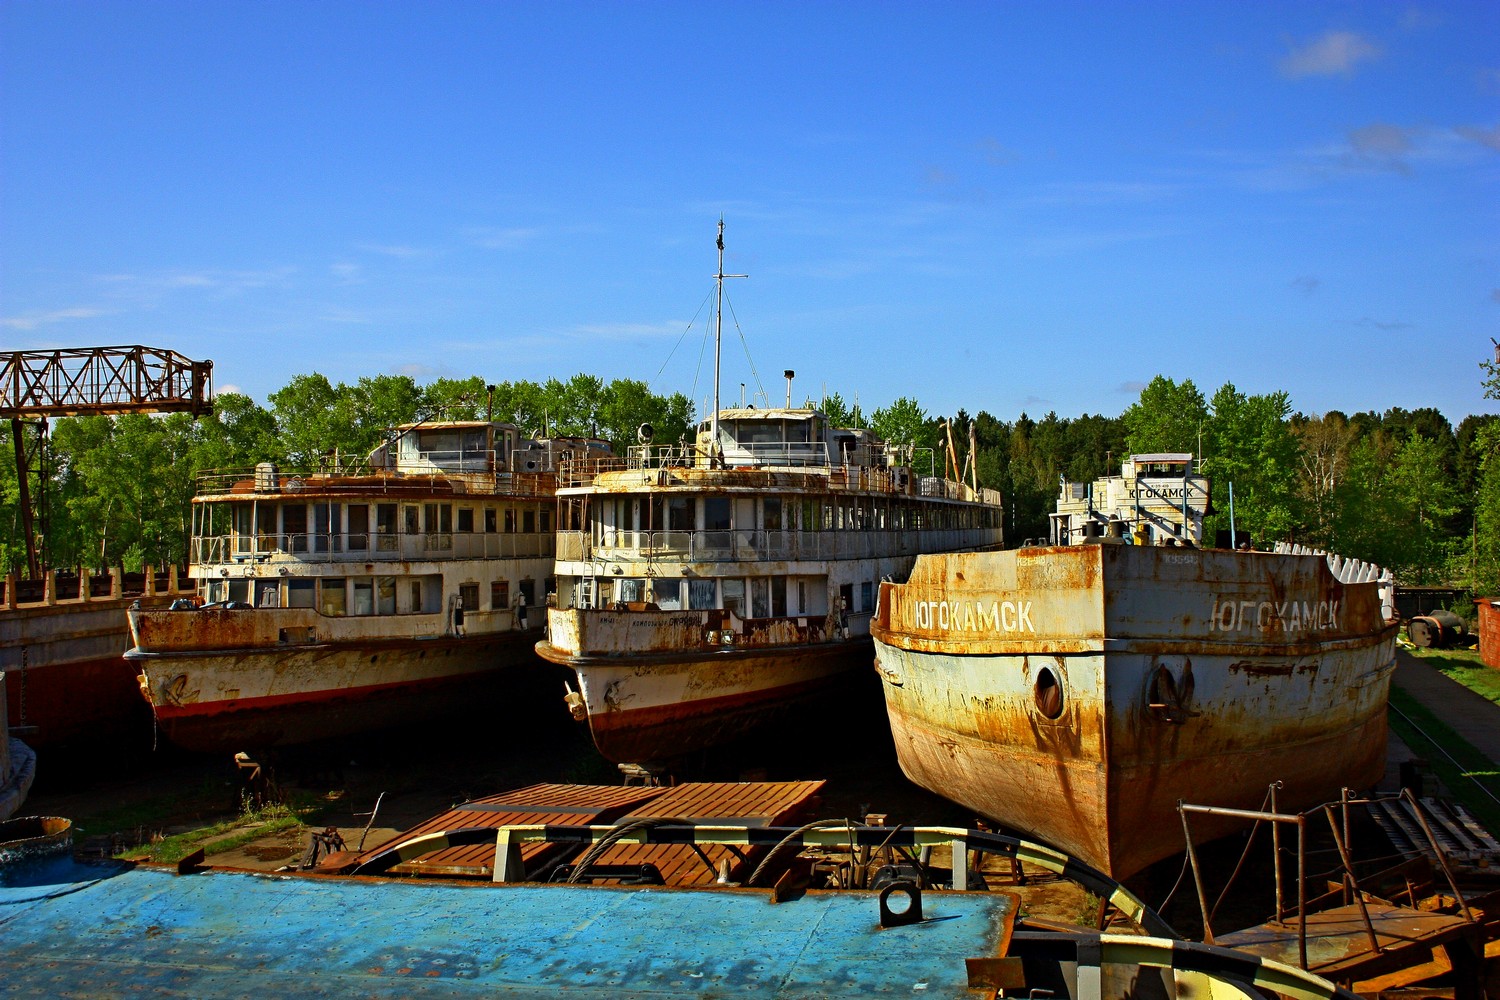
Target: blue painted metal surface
column 112, row 930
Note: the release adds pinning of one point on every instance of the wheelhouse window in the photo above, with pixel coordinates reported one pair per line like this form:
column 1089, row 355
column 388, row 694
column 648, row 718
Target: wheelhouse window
column 364, row 596
column 771, row 510
column 702, row 594
column 300, row 593
column 439, row 520
column 327, row 532
column 359, row 527
column 734, row 596
column 716, row 513
column 680, row 513
column 385, row 527
column 331, row 598
column 667, row 594
column 294, row 526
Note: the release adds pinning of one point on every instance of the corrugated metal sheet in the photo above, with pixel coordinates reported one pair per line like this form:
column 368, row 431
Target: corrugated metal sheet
column 552, row 804
column 750, row 803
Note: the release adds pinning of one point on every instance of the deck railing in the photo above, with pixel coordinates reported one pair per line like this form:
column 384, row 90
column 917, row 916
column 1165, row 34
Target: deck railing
column 371, row 547
column 760, row 546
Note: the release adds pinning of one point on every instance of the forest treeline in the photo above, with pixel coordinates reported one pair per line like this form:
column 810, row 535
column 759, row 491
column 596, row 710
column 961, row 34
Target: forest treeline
column 1403, row 488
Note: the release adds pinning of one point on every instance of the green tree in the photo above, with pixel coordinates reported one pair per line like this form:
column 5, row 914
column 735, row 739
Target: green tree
column 627, row 404
column 904, row 423
column 456, row 399
column 1252, row 446
column 1425, row 499
column 1323, row 458
column 841, row 414
column 1167, row 417
column 316, row 419
column 238, row 434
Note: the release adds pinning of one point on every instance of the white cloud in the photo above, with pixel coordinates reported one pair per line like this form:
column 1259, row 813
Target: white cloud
column 1382, row 146
column 32, row 320
column 222, row 281
column 1336, row 52
column 227, row 388
column 1484, row 136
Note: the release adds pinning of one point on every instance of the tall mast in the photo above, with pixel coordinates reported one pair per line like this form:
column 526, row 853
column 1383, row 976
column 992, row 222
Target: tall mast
column 719, row 276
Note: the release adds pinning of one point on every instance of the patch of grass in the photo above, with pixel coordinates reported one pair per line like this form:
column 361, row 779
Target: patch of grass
column 250, row 825
column 1435, row 737
column 1464, row 666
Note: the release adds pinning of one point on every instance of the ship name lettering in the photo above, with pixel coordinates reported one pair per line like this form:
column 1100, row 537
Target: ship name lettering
column 1271, row 616
column 973, row 616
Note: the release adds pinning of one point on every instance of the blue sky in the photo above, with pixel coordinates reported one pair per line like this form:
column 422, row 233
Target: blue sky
column 1002, row 207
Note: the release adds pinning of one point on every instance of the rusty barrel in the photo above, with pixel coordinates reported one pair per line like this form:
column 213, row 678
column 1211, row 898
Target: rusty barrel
column 1434, row 630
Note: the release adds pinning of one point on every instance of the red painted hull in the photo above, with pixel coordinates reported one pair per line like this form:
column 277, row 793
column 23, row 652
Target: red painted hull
column 654, row 720
column 66, row 677
column 475, row 672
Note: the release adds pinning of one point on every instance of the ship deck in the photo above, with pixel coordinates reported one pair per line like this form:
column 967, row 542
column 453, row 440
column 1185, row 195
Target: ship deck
column 110, row 929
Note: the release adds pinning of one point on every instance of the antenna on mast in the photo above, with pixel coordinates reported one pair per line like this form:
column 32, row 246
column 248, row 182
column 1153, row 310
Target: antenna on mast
column 714, row 451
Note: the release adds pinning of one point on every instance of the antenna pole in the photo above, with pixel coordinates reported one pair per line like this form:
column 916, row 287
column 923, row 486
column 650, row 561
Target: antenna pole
column 713, row 446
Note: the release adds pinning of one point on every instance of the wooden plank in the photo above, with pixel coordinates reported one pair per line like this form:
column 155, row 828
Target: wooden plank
column 1439, row 964
column 1482, row 837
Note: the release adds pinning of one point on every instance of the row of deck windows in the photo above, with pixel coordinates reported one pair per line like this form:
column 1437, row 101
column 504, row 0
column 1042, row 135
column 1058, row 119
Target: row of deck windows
column 687, row 513
column 747, row 597
column 339, row 526
column 368, row 595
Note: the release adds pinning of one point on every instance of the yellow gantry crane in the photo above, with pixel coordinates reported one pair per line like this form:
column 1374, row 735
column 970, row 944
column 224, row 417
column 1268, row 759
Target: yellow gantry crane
column 103, row 381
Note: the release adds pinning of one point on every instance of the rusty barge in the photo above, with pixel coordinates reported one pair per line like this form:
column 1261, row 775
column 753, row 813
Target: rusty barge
column 1077, row 693
column 703, row 589
column 62, row 642
column 356, row 598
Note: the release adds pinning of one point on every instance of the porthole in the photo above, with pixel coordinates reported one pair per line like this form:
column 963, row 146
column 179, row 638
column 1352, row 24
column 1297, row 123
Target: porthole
column 1048, row 693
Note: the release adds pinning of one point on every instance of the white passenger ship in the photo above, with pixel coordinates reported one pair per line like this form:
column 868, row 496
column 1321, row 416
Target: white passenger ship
column 354, row 599
column 705, row 589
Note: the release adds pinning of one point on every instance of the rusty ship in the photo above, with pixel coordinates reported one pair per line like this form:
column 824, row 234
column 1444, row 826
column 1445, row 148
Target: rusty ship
column 356, row 598
column 704, row 588
column 62, row 641
column 1077, row 693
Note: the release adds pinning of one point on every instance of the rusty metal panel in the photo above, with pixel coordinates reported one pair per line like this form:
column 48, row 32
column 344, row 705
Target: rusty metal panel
column 747, row 803
column 553, row 804
column 1077, row 693
column 1489, row 629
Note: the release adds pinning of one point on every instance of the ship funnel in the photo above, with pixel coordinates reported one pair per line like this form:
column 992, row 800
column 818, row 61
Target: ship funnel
column 788, row 375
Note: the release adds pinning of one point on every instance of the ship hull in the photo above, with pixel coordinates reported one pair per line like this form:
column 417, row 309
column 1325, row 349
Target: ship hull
column 649, row 709
column 235, row 698
column 1127, row 683
column 68, row 680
